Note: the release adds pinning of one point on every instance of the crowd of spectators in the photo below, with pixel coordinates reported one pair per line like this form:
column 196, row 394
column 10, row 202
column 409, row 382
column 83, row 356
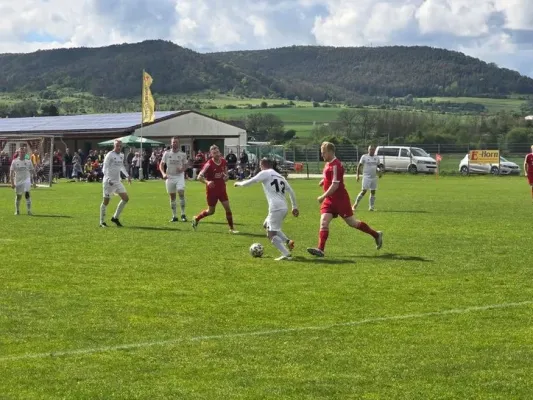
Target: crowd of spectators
column 88, row 167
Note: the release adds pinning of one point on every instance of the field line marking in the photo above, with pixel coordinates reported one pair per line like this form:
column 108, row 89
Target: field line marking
column 132, row 346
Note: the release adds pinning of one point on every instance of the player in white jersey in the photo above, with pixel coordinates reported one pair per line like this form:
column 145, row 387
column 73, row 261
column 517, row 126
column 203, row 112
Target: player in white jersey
column 275, row 186
column 371, row 172
column 112, row 182
column 22, row 178
column 172, row 167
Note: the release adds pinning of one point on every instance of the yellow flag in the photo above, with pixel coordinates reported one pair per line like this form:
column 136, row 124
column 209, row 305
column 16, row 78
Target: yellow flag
column 148, row 103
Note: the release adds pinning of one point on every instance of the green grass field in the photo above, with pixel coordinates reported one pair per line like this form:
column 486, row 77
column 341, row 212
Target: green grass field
column 493, row 105
column 288, row 115
column 156, row 311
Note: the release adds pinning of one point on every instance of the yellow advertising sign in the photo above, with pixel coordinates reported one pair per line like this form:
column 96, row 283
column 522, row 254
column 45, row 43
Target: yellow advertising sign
column 484, row 156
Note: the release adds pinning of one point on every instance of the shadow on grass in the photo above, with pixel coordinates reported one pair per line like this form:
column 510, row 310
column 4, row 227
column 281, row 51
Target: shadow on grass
column 50, row 216
column 397, row 257
column 216, row 223
column 321, row 260
column 246, row 234
column 152, row 228
column 406, row 211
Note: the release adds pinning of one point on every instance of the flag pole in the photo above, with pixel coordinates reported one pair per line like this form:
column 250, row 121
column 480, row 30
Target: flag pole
column 141, row 174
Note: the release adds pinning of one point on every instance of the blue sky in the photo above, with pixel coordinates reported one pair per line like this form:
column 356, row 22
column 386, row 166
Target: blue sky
column 499, row 31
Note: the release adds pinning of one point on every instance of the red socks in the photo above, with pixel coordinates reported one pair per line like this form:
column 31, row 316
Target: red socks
column 363, row 227
column 322, row 238
column 202, row 215
column 229, row 217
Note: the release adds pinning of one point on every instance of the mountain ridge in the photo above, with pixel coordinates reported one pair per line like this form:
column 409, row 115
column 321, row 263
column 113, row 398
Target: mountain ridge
column 304, row 72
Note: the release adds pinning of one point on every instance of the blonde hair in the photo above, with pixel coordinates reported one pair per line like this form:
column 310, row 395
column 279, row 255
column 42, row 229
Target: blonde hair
column 214, row 147
column 328, row 146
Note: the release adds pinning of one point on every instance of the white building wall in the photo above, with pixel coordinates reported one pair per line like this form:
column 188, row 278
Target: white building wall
column 193, row 125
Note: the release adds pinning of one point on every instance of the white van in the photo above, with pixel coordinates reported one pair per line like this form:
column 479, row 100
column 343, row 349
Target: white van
column 405, row 159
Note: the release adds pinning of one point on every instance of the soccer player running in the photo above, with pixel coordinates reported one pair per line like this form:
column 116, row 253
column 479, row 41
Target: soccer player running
column 22, row 178
column 113, row 166
column 275, row 186
column 528, row 169
column 370, row 163
column 214, row 175
column 335, row 201
column 172, row 167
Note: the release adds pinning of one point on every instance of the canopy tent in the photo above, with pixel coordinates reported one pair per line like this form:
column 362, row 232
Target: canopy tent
column 132, row 141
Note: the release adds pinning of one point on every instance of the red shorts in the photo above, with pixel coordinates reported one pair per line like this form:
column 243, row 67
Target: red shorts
column 215, row 195
column 339, row 206
column 530, row 179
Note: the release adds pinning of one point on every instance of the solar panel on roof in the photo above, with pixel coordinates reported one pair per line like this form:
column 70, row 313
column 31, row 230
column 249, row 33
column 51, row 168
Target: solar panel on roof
column 75, row 122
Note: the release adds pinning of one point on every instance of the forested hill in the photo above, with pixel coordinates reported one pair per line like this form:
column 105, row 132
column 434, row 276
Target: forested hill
column 306, row 72
column 115, row 71
column 382, row 71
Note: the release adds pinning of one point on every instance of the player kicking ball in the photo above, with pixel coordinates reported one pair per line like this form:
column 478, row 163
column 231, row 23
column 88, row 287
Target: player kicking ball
column 335, row 201
column 214, row 175
column 22, row 178
column 528, row 169
column 113, row 166
column 370, row 163
column 172, row 167
column 275, row 187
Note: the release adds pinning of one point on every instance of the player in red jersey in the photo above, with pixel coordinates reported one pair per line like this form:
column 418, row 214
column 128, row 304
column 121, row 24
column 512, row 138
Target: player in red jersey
column 335, row 201
column 528, row 169
column 215, row 174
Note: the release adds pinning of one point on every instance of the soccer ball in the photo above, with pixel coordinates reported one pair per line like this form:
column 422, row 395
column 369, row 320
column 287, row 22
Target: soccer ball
column 256, row 250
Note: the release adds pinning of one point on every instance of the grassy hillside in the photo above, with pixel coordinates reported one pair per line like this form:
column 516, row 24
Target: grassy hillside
column 492, row 105
column 379, row 71
column 297, row 73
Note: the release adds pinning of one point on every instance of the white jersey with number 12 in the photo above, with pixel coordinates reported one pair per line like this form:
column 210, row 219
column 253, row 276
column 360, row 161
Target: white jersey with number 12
column 275, row 187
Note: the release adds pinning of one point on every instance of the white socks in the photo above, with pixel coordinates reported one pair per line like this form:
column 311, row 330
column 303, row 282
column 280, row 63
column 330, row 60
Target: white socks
column 173, row 207
column 372, row 201
column 103, row 209
column 278, row 244
column 182, row 205
column 120, row 207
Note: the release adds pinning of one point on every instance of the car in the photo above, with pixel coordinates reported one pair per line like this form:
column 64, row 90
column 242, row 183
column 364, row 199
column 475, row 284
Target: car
column 282, row 163
column 405, row 159
column 505, row 167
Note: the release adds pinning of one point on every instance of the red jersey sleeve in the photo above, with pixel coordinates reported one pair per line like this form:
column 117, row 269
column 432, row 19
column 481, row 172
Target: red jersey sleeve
column 206, row 170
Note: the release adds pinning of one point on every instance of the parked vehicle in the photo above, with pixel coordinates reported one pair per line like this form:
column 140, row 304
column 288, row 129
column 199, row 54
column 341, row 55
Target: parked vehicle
column 405, row 159
column 505, row 167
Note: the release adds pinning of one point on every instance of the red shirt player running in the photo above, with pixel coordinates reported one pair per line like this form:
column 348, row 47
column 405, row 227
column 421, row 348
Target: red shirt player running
column 215, row 174
column 528, row 169
column 335, row 201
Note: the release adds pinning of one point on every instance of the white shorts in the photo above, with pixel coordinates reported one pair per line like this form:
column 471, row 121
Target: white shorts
column 23, row 187
column 175, row 183
column 113, row 188
column 369, row 183
column 274, row 220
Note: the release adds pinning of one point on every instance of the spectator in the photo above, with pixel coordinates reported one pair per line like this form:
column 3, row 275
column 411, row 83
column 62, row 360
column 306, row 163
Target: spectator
column 244, row 159
column 77, row 170
column 35, row 158
column 82, row 156
column 136, row 164
column 231, row 159
column 129, row 160
column 67, row 160
column 198, row 163
column 88, row 169
column 5, row 163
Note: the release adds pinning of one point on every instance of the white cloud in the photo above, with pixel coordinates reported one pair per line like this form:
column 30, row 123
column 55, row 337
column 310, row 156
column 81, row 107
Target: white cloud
column 495, row 30
column 457, row 17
